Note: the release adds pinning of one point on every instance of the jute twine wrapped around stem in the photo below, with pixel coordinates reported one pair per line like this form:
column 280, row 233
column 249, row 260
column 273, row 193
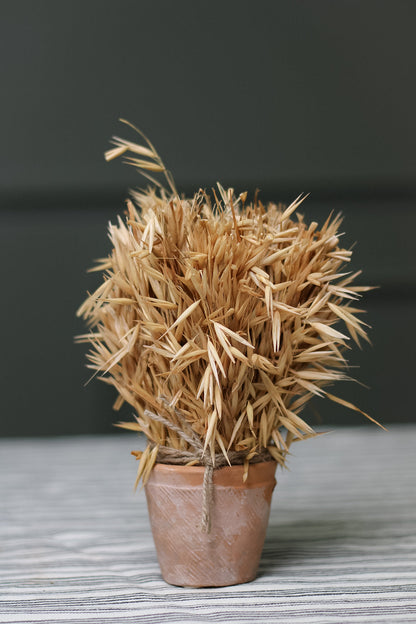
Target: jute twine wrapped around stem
column 168, row 455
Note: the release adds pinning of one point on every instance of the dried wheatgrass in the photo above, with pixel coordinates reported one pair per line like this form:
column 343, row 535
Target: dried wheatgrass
column 215, row 319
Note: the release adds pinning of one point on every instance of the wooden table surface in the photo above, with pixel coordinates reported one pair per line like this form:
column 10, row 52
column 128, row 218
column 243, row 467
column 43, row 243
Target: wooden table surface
column 76, row 546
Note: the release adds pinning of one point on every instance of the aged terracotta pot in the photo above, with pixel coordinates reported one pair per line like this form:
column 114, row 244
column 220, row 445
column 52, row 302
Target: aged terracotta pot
column 230, row 552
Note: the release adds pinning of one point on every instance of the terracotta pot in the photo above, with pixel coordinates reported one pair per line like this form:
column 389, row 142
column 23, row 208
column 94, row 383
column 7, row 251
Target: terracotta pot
column 230, row 552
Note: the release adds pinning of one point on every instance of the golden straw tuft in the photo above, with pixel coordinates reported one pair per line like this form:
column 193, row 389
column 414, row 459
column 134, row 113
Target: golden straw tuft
column 215, row 320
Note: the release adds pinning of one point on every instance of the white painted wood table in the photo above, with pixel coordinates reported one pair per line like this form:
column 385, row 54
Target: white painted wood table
column 76, row 546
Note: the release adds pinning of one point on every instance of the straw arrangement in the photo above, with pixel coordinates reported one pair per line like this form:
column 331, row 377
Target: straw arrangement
column 215, row 319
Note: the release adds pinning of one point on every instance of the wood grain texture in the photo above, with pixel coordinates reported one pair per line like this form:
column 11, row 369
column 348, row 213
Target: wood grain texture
column 76, row 544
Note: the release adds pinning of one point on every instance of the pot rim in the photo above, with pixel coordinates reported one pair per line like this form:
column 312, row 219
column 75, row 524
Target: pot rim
column 261, row 472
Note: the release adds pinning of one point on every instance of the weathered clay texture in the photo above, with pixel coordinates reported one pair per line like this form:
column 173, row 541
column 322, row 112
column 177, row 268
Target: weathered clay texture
column 230, row 553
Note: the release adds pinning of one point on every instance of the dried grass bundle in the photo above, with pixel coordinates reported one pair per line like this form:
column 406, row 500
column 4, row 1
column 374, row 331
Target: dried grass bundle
column 215, row 318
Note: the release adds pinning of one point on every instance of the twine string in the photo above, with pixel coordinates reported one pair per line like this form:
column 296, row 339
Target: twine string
column 190, row 438
column 207, row 497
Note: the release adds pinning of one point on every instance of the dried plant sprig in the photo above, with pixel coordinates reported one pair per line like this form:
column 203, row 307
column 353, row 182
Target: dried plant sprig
column 149, row 158
column 219, row 317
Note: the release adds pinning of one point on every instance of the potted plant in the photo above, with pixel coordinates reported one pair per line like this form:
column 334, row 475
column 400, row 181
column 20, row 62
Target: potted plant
column 215, row 322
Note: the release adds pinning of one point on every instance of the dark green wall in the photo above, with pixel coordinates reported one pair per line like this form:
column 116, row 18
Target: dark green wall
column 287, row 96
